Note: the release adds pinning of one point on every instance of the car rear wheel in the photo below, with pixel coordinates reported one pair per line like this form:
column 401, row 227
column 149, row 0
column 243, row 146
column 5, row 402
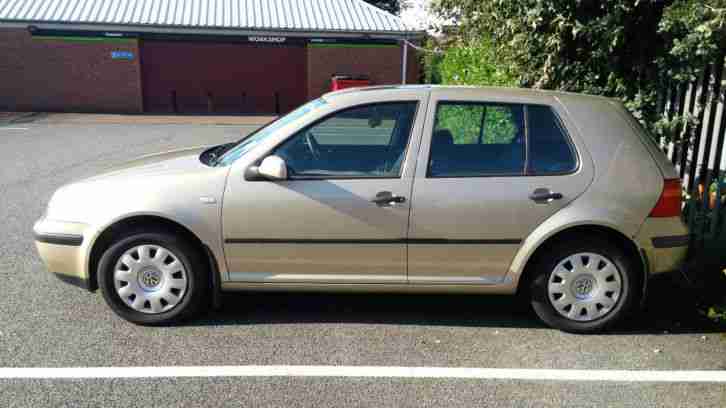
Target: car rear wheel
column 584, row 286
column 153, row 278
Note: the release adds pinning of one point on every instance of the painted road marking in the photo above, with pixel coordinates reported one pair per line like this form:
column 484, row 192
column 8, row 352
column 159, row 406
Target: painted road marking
column 12, row 128
column 693, row 376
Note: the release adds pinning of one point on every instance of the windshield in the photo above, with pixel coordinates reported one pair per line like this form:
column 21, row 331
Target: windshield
column 248, row 143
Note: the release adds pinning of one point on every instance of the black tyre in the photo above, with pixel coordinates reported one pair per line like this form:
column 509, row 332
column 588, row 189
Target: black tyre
column 153, row 278
column 584, row 286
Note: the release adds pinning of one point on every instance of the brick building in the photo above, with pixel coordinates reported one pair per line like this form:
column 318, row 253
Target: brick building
column 192, row 56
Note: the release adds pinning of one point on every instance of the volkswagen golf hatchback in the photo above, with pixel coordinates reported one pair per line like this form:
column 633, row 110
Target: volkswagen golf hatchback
column 414, row 189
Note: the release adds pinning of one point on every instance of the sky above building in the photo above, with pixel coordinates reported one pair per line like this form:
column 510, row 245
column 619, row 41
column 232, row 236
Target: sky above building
column 418, row 14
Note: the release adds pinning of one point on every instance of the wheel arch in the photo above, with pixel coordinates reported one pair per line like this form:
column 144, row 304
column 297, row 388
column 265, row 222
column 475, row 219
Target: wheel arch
column 629, row 246
column 120, row 227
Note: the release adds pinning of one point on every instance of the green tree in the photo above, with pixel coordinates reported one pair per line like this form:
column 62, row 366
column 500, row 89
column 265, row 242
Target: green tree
column 623, row 48
column 474, row 62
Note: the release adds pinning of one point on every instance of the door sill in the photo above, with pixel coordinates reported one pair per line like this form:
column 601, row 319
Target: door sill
column 506, row 287
column 314, row 279
column 456, row 280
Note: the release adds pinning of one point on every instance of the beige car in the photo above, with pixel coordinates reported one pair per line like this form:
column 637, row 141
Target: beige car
column 414, row 189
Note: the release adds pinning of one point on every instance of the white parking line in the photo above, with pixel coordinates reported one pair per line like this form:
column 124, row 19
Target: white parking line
column 658, row 376
column 13, row 128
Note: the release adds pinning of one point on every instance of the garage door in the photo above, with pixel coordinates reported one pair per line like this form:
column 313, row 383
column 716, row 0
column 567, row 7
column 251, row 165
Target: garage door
column 226, row 78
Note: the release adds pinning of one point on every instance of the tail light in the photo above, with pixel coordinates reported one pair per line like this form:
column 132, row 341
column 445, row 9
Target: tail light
column 669, row 203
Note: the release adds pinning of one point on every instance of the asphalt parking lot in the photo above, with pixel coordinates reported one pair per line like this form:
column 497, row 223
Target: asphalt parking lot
column 46, row 323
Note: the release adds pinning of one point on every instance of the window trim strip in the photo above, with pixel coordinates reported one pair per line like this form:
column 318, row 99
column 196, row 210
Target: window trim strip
column 408, row 241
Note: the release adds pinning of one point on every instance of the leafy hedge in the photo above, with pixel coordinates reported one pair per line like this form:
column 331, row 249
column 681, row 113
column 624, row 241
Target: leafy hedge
column 621, row 48
column 464, row 122
column 473, row 62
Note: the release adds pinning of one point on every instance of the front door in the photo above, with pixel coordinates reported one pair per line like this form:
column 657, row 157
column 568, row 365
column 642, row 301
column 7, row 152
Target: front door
column 490, row 173
column 342, row 216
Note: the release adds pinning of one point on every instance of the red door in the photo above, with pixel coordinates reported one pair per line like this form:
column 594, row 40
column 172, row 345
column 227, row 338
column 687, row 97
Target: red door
column 226, row 78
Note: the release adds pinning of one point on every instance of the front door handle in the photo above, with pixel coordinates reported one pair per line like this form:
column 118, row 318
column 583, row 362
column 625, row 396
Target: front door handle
column 386, row 198
column 544, row 196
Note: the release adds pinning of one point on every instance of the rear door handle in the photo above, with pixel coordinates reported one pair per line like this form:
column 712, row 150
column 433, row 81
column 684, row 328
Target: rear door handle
column 386, row 198
column 544, row 195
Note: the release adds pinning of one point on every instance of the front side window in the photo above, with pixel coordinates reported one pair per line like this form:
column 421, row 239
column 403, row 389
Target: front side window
column 269, row 130
column 477, row 139
column 362, row 142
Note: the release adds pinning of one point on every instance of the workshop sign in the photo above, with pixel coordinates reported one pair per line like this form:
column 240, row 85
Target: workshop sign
column 267, row 39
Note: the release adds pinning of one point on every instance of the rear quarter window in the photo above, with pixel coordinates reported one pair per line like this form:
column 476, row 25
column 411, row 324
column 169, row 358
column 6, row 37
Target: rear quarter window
column 550, row 149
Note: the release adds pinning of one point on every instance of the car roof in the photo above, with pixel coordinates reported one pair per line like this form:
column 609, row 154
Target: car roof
column 473, row 91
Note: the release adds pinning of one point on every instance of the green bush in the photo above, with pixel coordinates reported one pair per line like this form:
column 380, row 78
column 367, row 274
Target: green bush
column 474, row 62
column 464, row 122
column 630, row 49
column 432, row 63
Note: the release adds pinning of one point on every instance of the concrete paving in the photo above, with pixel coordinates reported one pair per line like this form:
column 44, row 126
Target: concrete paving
column 46, row 323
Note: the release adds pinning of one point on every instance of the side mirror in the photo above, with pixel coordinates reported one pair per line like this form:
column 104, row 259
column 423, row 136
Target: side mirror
column 272, row 168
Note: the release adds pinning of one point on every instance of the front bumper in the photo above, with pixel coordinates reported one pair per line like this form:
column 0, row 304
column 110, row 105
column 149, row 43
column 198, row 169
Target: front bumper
column 63, row 247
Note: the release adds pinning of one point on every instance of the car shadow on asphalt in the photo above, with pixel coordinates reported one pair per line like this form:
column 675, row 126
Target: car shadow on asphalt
column 669, row 309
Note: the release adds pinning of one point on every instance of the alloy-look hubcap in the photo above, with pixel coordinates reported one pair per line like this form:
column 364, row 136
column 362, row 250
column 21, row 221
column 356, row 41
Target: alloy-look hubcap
column 150, row 279
column 584, row 287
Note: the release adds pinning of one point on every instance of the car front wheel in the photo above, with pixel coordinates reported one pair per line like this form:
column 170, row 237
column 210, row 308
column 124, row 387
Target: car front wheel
column 153, row 278
column 584, row 286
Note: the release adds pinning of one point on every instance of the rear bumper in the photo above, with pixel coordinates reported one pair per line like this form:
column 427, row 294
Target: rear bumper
column 665, row 243
column 63, row 248
column 672, row 241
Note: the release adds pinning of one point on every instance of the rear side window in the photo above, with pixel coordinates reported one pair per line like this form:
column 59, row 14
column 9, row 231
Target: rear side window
column 473, row 139
column 477, row 139
column 549, row 149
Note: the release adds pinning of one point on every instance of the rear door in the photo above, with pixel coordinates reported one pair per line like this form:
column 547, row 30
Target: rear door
column 490, row 171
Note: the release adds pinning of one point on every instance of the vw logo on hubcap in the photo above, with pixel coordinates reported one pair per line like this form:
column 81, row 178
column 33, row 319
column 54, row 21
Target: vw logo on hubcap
column 150, row 279
column 583, row 286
